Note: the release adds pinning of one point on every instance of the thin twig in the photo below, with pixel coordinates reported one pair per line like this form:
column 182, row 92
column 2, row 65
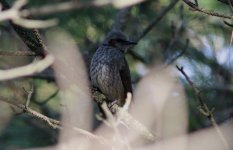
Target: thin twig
column 31, row 112
column 150, row 27
column 207, row 12
column 55, row 124
column 157, row 19
column 196, row 90
column 228, row 24
column 204, row 109
column 30, row 92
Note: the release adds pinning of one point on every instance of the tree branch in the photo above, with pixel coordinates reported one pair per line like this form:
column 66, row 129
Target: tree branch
column 28, row 69
column 157, row 19
column 13, row 14
column 207, row 12
column 30, row 37
column 226, row 1
column 204, row 109
column 122, row 115
column 55, row 124
column 60, row 7
column 150, row 27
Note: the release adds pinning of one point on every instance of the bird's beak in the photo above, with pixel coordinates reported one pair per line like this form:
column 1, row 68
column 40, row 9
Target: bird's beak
column 130, row 42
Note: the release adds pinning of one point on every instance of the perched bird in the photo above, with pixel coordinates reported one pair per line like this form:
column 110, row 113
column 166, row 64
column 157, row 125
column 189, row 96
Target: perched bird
column 109, row 70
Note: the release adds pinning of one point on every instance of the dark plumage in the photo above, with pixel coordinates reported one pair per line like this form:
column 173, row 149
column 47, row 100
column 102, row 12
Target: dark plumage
column 109, row 70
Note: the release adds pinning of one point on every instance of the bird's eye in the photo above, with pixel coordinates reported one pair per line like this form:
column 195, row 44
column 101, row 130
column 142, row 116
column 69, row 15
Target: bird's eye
column 112, row 42
column 119, row 40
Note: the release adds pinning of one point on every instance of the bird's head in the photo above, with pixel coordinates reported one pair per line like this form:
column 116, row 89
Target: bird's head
column 118, row 40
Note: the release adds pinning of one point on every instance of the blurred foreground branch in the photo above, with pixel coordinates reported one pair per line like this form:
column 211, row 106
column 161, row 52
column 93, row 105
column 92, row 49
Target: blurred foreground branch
column 14, row 14
column 122, row 115
column 203, row 108
column 30, row 37
column 63, row 7
column 60, row 7
column 32, row 68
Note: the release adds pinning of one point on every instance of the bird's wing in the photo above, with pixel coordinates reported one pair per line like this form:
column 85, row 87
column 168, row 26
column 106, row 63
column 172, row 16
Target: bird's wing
column 125, row 77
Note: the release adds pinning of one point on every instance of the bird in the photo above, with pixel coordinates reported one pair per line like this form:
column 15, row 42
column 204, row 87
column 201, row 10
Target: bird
column 109, row 70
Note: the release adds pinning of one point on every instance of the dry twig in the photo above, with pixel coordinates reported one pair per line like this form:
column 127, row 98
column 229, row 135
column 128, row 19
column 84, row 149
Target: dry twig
column 204, row 109
column 55, row 124
column 150, row 27
column 29, row 93
column 195, row 7
column 157, row 19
